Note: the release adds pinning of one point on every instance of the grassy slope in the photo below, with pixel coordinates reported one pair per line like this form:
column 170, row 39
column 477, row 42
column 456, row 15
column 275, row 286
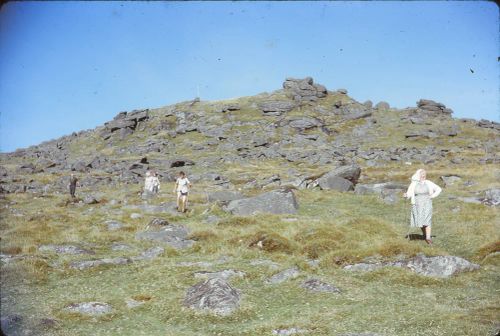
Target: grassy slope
column 337, row 228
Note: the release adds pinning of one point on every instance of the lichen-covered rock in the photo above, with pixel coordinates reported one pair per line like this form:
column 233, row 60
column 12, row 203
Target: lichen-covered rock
column 282, row 276
column 64, row 249
column 84, row 264
column 173, row 235
column 90, row 308
column 214, row 295
column 316, row 285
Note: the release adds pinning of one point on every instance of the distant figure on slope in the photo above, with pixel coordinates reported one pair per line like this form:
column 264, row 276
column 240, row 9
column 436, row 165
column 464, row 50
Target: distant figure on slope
column 182, row 186
column 155, row 182
column 421, row 192
column 151, row 182
column 73, row 181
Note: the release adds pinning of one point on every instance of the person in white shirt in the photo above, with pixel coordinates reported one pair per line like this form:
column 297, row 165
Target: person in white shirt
column 182, row 186
column 155, row 183
column 421, row 192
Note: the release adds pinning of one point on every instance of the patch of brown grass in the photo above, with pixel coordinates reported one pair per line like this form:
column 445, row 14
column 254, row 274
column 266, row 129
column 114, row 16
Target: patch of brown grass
column 203, row 235
column 11, row 249
column 317, row 242
column 486, row 249
column 267, row 241
column 142, row 297
column 238, row 221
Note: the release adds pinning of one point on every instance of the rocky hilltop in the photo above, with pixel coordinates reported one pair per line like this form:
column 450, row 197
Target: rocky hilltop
column 301, row 125
column 295, row 226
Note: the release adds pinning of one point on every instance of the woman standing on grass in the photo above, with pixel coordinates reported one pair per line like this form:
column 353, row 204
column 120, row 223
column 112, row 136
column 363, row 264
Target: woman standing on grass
column 421, row 192
column 182, row 186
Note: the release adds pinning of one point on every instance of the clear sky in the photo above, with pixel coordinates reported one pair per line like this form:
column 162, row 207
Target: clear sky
column 68, row 66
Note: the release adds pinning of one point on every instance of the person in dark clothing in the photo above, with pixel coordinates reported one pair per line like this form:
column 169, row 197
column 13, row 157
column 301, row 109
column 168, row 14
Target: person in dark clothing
column 73, row 181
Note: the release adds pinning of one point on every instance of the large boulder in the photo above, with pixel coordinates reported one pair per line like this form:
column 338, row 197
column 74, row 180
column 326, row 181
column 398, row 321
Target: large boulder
column 304, row 89
column 430, row 107
column 335, row 183
column 276, row 202
column 342, row 178
column 214, row 295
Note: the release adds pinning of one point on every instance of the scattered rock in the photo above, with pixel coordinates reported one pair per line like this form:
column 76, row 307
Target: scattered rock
column 439, row 266
column 317, row 285
column 64, row 249
column 276, row 202
column 382, row 106
column 282, row 276
column 224, row 196
column 90, row 308
column 120, row 247
column 224, row 274
column 89, row 199
column 492, row 197
column 149, row 254
column 113, row 225
column 10, row 322
column 449, row 180
column 304, row 89
column 157, row 223
column 289, row 331
column 335, row 183
column 265, row 262
column 135, row 215
column 212, row 219
column 214, row 295
column 173, row 235
column 276, row 108
column 85, row 264
column 430, row 107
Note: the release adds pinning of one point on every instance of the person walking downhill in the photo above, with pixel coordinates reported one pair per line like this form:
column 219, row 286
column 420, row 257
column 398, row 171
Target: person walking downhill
column 421, row 192
column 182, row 186
column 73, row 181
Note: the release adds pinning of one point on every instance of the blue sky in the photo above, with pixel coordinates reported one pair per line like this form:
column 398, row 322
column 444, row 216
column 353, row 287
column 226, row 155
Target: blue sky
column 68, row 66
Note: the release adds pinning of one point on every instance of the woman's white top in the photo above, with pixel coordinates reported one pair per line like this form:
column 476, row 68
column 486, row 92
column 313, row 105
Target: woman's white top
column 434, row 190
column 182, row 184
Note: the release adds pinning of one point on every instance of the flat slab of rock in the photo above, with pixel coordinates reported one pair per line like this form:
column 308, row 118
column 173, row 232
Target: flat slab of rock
column 275, row 202
column 289, row 331
column 282, row 276
column 64, row 249
column 439, row 266
column 276, row 108
column 150, row 254
column 265, row 262
column 213, row 295
column 172, row 235
column 169, row 208
column 90, row 308
column 120, row 247
column 85, row 264
column 113, row 225
column 316, row 285
column 224, row 274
